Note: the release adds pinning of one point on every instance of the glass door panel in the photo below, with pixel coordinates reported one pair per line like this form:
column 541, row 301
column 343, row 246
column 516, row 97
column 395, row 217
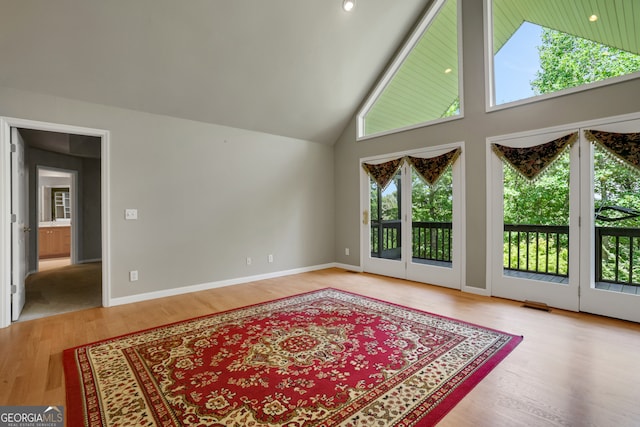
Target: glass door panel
column 384, row 234
column 610, row 283
column 534, row 256
column 434, row 233
column 386, row 223
column 432, row 216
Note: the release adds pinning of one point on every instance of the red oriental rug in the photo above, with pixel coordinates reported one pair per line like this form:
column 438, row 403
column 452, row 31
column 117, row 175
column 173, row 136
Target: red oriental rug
column 323, row 358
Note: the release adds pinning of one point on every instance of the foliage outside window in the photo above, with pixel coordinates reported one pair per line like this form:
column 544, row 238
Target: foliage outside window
column 546, row 46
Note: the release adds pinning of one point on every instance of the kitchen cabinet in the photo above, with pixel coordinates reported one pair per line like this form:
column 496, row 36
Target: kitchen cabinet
column 54, row 242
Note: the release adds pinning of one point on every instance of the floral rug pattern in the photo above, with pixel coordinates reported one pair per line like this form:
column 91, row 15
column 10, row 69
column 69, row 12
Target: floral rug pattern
column 324, row 358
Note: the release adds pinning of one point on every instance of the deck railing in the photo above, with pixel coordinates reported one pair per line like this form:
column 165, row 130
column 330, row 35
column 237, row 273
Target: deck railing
column 618, row 255
column 542, row 249
column 539, row 249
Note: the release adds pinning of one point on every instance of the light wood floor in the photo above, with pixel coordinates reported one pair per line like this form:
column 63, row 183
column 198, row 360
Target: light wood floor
column 571, row 369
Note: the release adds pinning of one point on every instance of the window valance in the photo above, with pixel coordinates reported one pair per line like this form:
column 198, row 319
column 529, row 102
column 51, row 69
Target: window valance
column 430, row 169
column 624, row 147
column 530, row 162
column 383, row 173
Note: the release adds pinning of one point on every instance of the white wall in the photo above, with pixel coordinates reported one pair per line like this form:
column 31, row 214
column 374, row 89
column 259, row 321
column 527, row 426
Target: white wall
column 207, row 196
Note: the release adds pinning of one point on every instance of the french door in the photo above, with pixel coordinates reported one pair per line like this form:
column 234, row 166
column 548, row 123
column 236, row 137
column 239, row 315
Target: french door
column 569, row 237
column 412, row 226
column 534, row 247
column 610, row 283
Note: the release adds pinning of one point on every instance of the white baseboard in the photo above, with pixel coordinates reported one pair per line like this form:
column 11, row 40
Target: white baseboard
column 349, row 267
column 212, row 285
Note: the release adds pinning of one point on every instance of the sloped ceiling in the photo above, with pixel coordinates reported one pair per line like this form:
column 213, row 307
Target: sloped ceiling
column 287, row 67
column 420, row 91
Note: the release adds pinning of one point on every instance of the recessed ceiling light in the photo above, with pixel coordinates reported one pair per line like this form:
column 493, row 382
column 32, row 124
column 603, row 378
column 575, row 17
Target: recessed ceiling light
column 347, row 5
column 593, row 18
column 448, row 70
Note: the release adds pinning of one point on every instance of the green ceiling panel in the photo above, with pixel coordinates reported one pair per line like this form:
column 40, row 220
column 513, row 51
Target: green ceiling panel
column 420, row 91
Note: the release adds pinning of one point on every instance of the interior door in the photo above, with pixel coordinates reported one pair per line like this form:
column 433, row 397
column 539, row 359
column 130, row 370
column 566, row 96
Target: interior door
column 610, row 275
column 411, row 227
column 534, row 226
column 20, row 225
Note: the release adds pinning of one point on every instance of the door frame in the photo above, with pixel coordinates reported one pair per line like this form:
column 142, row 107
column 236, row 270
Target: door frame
column 584, row 272
column 459, row 218
column 565, row 295
column 6, row 123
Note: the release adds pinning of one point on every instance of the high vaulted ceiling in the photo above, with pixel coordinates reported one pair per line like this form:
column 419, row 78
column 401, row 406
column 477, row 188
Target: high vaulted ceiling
column 297, row 68
column 422, row 91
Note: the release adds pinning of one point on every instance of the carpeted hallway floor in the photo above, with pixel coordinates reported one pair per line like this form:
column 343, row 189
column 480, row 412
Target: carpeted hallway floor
column 63, row 289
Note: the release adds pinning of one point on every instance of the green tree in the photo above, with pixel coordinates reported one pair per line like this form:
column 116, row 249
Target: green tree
column 432, row 203
column 568, row 61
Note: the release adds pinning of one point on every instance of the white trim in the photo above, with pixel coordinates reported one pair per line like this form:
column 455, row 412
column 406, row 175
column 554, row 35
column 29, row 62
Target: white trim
column 490, row 101
column 563, row 92
column 400, row 58
column 411, row 127
column 6, row 123
column 5, row 224
column 219, row 284
column 489, row 89
column 354, row 268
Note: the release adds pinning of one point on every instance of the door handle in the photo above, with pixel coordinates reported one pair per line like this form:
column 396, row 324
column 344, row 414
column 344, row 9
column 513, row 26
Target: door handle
column 365, row 217
column 26, row 229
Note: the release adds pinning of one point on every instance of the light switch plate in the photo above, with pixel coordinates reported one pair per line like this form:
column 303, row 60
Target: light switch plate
column 131, row 214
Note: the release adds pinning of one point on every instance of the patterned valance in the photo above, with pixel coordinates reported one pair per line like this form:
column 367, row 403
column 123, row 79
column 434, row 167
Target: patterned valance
column 529, row 162
column 622, row 146
column 431, row 169
column 383, row 173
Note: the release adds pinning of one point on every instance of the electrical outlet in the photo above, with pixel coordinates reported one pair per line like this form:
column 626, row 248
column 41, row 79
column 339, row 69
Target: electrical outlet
column 270, row 258
column 248, row 260
column 131, row 214
column 346, row 251
column 133, row 275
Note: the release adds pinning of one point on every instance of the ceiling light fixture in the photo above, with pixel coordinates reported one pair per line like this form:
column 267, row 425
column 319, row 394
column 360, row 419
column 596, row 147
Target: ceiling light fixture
column 347, row 5
column 593, row 18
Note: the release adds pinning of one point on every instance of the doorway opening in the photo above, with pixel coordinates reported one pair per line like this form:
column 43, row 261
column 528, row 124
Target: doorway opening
column 55, row 210
column 59, row 186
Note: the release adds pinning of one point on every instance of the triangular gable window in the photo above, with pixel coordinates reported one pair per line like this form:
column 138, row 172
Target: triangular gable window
column 422, row 85
column 545, row 47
